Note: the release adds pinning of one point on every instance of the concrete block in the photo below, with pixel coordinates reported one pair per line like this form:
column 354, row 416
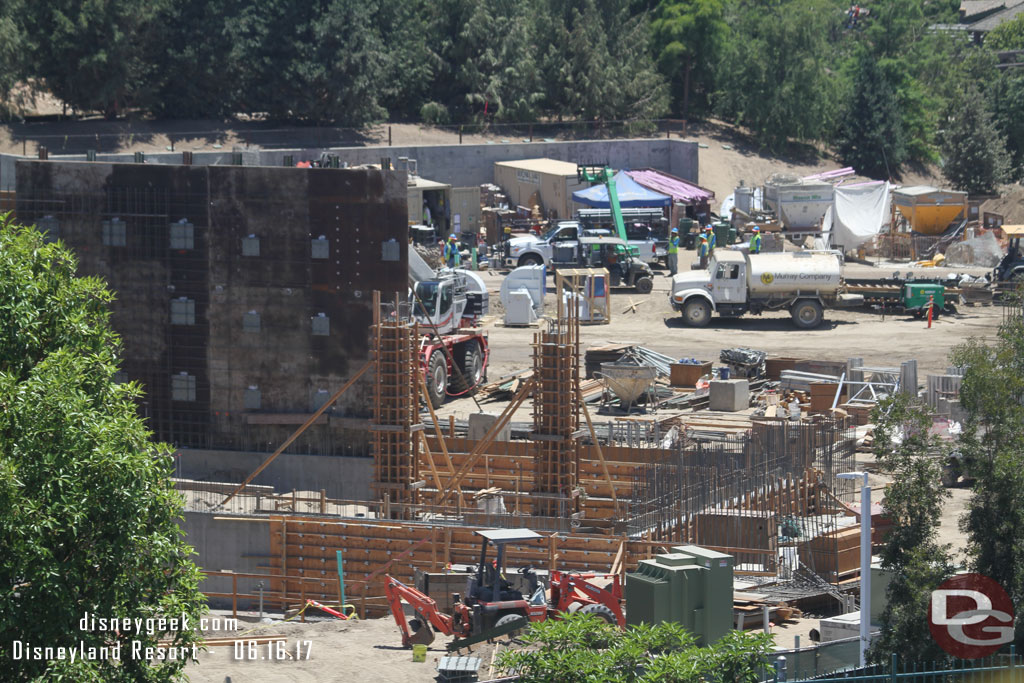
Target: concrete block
column 481, row 423
column 729, row 395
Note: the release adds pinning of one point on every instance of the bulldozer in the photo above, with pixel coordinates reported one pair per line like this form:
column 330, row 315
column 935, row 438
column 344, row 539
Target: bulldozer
column 491, row 607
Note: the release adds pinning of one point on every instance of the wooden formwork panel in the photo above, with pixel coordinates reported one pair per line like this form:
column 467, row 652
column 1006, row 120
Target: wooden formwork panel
column 306, row 547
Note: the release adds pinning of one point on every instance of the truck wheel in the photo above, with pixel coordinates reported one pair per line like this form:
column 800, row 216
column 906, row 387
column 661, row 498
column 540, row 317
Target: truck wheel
column 601, row 612
column 471, row 367
column 508, row 619
column 807, row 313
column 531, row 260
column 437, row 378
column 697, row 312
column 644, row 285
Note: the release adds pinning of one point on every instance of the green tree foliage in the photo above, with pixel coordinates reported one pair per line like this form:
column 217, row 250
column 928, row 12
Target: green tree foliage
column 319, row 61
column 1006, row 100
column 409, row 64
column 911, row 455
column 13, row 49
column 582, row 648
column 871, row 137
column 95, row 55
column 90, row 516
column 993, row 448
column 1007, row 36
column 195, row 74
column 687, row 39
column 974, row 152
column 773, row 76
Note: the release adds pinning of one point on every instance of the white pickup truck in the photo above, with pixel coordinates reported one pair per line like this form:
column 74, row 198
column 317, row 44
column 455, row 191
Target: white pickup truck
column 535, row 251
column 737, row 282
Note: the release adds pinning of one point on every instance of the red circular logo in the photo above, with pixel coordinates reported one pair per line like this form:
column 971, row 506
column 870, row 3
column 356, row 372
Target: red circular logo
column 970, row 616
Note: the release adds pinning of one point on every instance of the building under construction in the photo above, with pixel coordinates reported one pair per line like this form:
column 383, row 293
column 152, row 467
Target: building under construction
column 263, row 310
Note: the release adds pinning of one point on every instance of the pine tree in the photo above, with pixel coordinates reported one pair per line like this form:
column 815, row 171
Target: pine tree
column 871, row 136
column 992, row 445
column 973, row 151
column 906, row 450
column 687, row 37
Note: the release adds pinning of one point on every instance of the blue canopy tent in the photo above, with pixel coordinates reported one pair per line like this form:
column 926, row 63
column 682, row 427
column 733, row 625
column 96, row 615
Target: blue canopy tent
column 632, row 195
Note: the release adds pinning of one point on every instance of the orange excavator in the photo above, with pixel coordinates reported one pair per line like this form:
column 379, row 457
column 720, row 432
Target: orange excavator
column 492, row 607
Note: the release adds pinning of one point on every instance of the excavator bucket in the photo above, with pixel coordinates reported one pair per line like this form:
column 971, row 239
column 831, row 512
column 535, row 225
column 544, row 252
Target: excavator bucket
column 421, row 634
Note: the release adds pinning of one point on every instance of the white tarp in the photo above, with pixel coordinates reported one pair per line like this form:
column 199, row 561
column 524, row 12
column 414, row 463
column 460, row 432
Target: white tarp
column 858, row 213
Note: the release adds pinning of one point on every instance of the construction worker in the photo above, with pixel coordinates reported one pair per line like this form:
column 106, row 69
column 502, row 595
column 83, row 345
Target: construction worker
column 452, row 257
column 755, row 241
column 673, row 252
column 426, row 215
column 711, row 239
column 703, row 249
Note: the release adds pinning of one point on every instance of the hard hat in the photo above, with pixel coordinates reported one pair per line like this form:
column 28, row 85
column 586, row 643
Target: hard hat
column 451, row 236
column 675, row 229
column 707, row 228
column 757, row 229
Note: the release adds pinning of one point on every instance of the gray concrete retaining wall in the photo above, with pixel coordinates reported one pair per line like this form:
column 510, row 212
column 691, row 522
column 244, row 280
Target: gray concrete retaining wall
column 339, row 476
column 241, row 545
column 458, row 165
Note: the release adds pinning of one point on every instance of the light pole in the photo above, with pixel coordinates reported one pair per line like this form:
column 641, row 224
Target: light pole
column 865, row 561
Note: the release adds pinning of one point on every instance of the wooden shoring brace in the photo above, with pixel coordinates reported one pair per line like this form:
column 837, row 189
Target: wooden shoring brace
column 430, row 461
column 298, row 432
column 597, row 447
column 437, row 432
column 485, row 442
column 619, row 563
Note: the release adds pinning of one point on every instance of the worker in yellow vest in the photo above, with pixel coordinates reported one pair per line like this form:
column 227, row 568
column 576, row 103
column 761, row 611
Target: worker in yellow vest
column 703, row 250
column 452, row 257
column 673, row 252
column 755, row 241
column 711, row 239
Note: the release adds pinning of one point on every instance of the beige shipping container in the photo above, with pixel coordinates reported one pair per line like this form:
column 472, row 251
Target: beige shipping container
column 551, row 180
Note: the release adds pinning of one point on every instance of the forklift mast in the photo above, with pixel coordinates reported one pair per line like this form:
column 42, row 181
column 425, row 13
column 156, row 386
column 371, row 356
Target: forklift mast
column 604, row 174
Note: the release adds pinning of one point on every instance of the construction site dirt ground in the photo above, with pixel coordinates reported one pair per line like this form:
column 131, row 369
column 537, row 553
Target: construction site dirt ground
column 881, row 340
column 369, row 650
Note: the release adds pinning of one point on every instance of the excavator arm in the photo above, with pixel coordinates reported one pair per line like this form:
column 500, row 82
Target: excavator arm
column 424, row 605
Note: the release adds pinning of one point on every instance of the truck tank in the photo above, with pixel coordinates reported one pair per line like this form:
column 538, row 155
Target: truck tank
column 775, row 274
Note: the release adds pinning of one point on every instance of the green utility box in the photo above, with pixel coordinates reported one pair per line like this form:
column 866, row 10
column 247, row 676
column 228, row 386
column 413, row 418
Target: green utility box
column 691, row 586
column 915, row 296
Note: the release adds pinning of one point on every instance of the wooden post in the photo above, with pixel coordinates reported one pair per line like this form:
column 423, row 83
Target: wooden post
column 234, row 597
column 433, row 548
column 451, row 426
column 284, row 556
column 323, row 501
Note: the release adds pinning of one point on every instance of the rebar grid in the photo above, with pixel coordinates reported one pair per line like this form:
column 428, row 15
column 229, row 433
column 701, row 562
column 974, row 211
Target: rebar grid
column 395, row 405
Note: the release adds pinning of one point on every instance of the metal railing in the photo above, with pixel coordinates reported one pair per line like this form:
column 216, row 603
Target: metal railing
column 999, row 667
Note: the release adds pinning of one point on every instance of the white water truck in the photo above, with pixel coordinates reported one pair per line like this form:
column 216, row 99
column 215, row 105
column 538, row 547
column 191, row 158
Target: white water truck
column 735, row 283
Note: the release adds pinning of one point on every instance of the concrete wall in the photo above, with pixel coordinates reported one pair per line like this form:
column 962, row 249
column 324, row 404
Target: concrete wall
column 313, row 308
column 241, row 545
column 457, row 165
column 341, row 477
